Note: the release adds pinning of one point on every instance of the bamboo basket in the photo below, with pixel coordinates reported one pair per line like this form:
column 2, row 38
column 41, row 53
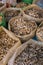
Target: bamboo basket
column 38, row 34
column 38, row 20
column 20, row 49
column 10, row 52
column 23, row 38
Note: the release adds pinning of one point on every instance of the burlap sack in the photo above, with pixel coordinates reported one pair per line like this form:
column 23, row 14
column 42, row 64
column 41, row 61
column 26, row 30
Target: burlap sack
column 10, row 52
column 38, row 20
column 21, row 48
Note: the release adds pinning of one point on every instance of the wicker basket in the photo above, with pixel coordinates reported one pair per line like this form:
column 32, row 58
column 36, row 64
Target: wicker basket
column 39, row 33
column 21, row 48
column 12, row 49
column 23, row 37
column 38, row 20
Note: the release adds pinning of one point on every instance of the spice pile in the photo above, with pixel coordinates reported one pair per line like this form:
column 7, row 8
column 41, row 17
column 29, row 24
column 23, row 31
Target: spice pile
column 31, row 55
column 5, row 43
column 22, row 27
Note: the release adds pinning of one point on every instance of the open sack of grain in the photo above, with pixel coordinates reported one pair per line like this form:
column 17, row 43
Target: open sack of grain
column 11, row 12
column 33, row 12
column 39, row 32
column 29, row 53
column 8, row 45
column 22, row 28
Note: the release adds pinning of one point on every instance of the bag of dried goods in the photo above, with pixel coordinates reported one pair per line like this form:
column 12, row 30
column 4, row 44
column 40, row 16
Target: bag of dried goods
column 2, row 6
column 30, row 53
column 24, row 29
column 33, row 12
column 11, row 12
column 8, row 45
column 39, row 32
column 21, row 5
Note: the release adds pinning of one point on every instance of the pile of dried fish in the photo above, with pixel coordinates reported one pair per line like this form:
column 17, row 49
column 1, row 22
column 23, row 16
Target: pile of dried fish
column 30, row 53
column 9, row 14
column 34, row 13
column 22, row 27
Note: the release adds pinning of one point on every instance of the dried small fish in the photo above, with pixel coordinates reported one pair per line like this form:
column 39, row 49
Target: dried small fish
column 34, row 13
column 11, row 13
column 31, row 55
column 22, row 27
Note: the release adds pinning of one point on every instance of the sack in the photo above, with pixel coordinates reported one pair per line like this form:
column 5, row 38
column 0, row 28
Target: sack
column 37, row 19
column 8, row 43
column 23, row 37
column 11, row 12
column 39, row 32
column 20, row 50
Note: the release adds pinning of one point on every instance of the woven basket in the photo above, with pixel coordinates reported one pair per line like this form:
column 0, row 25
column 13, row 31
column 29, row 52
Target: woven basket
column 10, row 52
column 23, row 37
column 38, row 20
column 38, row 34
column 21, row 48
